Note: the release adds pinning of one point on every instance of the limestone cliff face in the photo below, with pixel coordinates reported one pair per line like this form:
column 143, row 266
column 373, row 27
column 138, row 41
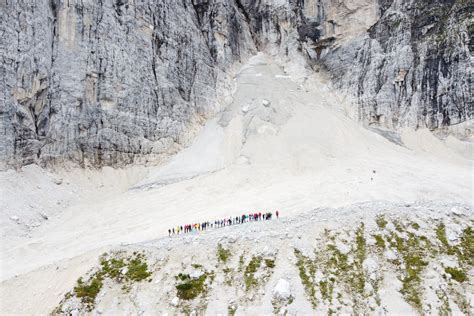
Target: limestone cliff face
column 113, row 82
column 414, row 66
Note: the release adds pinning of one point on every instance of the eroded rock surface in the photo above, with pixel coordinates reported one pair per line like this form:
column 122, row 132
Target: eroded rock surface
column 413, row 67
column 118, row 82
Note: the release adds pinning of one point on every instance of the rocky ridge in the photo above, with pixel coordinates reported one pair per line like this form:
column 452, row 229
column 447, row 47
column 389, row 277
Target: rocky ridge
column 396, row 259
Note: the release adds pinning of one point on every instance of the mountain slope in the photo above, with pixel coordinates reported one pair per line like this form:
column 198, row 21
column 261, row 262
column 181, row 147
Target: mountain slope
column 280, row 144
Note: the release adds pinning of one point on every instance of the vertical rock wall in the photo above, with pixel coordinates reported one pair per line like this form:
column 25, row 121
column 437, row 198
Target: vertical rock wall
column 112, row 82
column 414, row 67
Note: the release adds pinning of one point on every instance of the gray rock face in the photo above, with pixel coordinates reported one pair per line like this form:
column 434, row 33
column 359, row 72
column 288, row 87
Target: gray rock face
column 119, row 81
column 110, row 82
column 414, row 67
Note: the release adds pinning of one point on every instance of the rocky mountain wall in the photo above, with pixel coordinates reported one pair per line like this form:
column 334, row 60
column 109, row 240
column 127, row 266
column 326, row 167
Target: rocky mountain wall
column 414, row 67
column 114, row 82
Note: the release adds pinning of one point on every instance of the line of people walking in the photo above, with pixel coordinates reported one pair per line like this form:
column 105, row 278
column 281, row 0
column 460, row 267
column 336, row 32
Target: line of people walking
column 244, row 218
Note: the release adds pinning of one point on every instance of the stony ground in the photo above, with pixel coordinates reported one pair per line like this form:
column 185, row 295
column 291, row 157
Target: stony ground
column 370, row 258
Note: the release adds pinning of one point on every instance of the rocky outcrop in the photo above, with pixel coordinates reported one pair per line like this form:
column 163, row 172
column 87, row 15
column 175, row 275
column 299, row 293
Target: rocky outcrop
column 414, row 66
column 112, row 82
column 119, row 81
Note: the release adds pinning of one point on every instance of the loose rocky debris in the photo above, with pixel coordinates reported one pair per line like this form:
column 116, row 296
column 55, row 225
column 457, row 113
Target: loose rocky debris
column 374, row 258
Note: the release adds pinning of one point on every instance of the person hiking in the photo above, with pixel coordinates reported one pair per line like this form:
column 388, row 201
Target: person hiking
column 277, row 213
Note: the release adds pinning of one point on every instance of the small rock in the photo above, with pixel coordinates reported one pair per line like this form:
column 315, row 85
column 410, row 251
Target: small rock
column 368, row 288
column 196, row 274
column 372, row 306
column 44, row 216
column 282, row 290
column 452, row 236
column 124, row 270
column 266, row 102
column 370, row 265
column 15, row 218
column 343, row 248
column 390, row 255
column 58, row 181
column 175, row 301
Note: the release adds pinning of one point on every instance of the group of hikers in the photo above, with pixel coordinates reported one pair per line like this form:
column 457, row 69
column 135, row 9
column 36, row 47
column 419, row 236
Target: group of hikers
column 244, row 218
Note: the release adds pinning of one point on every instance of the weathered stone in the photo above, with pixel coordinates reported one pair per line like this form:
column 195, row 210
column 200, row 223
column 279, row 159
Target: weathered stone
column 120, row 82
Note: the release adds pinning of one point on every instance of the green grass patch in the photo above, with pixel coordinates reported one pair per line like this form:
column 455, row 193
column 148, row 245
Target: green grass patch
column 241, row 263
column 135, row 266
column 413, row 254
column 223, row 254
column 120, row 268
column 381, row 222
column 306, row 271
column 137, row 269
column 441, row 235
column 398, row 226
column 190, row 288
column 466, row 247
column 249, row 273
column 337, row 260
column 228, row 274
column 270, row 263
column 326, row 288
column 357, row 278
column 456, row 274
column 88, row 291
column 379, row 241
